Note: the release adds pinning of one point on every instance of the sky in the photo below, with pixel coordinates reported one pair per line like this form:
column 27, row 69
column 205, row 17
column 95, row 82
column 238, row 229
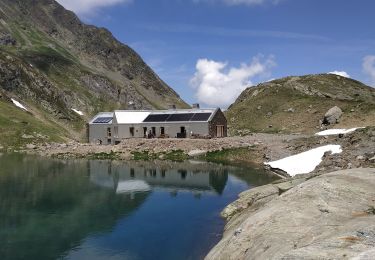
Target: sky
column 209, row 51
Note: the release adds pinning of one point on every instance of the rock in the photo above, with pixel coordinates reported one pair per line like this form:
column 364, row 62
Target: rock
column 269, row 114
column 285, row 186
column 326, row 217
column 31, row 146
column 7, row 40
column 332, row 116
column 25, row 136
column 291, row 110
column 259, row 107
column 372, row 159
column 361, row 158
column 196, row 153
column 254, row 197
column 1, row 147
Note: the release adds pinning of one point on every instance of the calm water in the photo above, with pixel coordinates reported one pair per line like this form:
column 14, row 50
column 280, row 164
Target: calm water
column 77, row 209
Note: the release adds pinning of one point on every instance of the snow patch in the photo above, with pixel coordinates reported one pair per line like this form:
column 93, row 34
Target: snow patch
column 18, row 104
column 305, row 162
column 78, row 112
column 337, row 131
column 340, row 73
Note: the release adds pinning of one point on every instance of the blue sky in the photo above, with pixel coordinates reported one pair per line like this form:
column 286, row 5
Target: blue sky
column 210, row 50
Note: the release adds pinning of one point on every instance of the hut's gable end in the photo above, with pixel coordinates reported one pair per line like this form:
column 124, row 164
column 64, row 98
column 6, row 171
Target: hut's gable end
column 218, row 126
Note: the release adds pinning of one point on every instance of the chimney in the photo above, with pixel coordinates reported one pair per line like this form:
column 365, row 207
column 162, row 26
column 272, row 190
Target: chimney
column 172, row 107
column 196, row 106
column 131, row 105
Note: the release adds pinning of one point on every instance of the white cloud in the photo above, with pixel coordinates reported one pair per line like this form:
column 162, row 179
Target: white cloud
column 241, row 2
column 216, row 86
column 369, row 67
column 340, row 73
column 89, row 7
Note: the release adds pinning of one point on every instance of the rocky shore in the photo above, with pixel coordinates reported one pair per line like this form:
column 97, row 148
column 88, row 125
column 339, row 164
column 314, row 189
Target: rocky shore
column 261, row 147
column 326, row 214
column 331, row 216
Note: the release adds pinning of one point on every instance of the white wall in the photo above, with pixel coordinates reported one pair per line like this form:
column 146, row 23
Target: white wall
column 170, row 129
column 99, row 132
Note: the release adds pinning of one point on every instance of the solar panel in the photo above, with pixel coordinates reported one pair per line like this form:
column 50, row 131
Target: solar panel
column 103, row 120
column 200, row 117
column 157, row 118
column 180, row 117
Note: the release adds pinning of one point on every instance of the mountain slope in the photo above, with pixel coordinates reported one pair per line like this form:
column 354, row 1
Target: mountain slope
column 53, row 63
column 296, row 104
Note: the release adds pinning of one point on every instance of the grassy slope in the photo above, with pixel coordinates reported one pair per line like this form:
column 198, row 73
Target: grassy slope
column 44, row 58
column 251, row 112
column 15, row 122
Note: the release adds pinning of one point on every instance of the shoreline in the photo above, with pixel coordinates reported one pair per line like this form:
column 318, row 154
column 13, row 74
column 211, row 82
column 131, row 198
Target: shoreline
column 358, row 152
column 246, row 150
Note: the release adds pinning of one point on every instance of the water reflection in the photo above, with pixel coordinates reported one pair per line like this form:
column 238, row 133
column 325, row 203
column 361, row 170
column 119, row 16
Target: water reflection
column 52, row 209
column 135, row 177
column 47, row 207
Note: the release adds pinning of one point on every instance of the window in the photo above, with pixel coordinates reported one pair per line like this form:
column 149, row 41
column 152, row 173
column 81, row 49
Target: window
column 131, row 131
column 132, row 173
column 109, row 132
column 154, row 131
column 162, row 130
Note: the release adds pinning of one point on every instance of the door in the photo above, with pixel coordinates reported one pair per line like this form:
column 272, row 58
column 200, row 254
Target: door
column 144, row 132
column 220, row 131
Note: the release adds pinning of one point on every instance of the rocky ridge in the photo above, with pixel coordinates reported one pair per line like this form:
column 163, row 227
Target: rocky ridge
column 299, row 104
column 52, row 63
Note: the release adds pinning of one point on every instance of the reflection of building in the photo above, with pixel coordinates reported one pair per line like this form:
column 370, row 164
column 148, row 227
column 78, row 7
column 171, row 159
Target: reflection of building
column 112, row 128
column 124, row 178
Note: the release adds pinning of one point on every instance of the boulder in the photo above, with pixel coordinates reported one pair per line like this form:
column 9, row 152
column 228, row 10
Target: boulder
column 331, row 216
column 31, row 146
column 196, row 153
column 26, row 136
column 332, row 116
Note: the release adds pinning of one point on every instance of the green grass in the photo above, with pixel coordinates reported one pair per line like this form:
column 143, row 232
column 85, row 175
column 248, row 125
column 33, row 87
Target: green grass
column 371, row 210
column 250, row 112
column 235, row 156
column 175, row 155
column 15, row 122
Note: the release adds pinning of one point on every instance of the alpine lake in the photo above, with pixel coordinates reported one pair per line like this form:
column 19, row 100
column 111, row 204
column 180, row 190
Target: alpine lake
column 98, row 209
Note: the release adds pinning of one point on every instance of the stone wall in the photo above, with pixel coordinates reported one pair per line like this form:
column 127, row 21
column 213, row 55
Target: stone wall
column 219, row 119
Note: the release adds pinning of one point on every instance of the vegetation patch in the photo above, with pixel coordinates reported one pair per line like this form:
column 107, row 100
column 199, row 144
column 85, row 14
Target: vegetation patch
column 19, row 128
column 174, row 155
column 142, row 156
column 371, row 211
column 104, row 156
column 240, row 156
